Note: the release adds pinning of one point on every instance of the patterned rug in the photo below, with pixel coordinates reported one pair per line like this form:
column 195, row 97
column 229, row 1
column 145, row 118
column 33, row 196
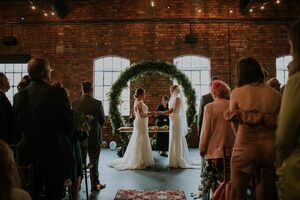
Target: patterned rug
column 149, row 195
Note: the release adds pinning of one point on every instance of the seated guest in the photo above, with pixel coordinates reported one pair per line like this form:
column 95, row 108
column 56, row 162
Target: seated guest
column 274, row 83
column 162, row 138
column 10, row 186
column 288, row 130
column 253, row 110
column 46, row 119
column 216, row 134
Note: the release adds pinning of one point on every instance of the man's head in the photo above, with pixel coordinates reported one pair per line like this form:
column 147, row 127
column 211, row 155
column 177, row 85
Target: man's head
column 4, row 84
column 39, row 69
column 87, row 87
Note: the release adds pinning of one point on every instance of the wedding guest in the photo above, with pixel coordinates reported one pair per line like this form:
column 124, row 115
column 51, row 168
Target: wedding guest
column 25, row 81
column 274, row 83
column 9, row 131
column 216, row 134
column 162, row 138
column 87, row 105
column 288, row 130
column 75, row 173
column 46, row 119
column 10, row 186
column 205, row 99
column 253, row 110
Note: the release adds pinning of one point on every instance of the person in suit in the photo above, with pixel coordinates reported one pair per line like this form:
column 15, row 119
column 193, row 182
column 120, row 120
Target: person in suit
column 9, row 131
column 87, row 105
column 205, row 99
column 44, row 114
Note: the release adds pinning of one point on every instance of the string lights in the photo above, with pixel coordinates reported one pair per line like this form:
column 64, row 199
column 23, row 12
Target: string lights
column 34, row 7
column 263, row 5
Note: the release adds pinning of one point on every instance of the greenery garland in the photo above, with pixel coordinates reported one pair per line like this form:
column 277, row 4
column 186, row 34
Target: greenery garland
column 134, row 71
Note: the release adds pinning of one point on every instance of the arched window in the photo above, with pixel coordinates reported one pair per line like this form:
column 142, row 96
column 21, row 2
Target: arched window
column 197, row 68
column 281, row 68
column 106, row 71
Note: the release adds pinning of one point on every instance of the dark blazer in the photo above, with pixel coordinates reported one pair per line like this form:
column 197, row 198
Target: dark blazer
column 205, row 99
column 87, row 105
column 9, row 131
column 45, row 116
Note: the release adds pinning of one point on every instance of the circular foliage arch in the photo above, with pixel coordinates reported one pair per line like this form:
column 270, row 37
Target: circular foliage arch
column 136, row 70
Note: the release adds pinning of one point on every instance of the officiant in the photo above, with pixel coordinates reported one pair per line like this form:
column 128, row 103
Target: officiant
column 162, row 138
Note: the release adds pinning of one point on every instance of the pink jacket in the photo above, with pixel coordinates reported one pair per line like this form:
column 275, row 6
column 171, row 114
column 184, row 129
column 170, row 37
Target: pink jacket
column 216, row 132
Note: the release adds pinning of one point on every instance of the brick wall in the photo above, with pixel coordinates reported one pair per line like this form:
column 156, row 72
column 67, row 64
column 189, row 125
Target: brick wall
column 134, row 30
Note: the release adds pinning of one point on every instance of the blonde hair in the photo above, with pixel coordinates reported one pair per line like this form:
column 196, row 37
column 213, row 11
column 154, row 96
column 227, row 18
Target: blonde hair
column 9, row 176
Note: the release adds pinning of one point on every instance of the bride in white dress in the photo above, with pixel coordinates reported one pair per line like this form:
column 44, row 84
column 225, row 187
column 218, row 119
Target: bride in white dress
column 138, row 154
column 178, row 149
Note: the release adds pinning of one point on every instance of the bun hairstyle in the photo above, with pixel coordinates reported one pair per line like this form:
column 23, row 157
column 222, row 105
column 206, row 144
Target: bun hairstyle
column 139, row 92
column 174, row 87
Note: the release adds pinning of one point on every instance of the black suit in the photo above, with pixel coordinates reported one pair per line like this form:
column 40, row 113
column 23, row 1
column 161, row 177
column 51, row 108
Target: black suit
column 45, row 116
column 9, row 131
column 86, row 105
column 205, row 99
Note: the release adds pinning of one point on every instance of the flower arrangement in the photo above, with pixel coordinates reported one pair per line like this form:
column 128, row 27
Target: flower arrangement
column 84, row 123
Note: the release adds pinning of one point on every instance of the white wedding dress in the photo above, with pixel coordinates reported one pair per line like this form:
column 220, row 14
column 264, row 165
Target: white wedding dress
column 138, row 154
column 179, row 156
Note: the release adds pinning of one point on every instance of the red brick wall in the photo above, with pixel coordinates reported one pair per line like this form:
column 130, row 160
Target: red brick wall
column 134, row 30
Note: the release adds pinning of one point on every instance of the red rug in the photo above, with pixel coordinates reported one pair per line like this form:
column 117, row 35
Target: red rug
column 149, row 195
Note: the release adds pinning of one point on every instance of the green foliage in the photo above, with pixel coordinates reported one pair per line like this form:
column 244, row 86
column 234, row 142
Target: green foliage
column 136, row 70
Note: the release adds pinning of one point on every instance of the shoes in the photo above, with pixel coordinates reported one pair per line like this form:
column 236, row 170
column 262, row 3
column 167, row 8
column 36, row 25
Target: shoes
column 98, row 187
column 163, row 154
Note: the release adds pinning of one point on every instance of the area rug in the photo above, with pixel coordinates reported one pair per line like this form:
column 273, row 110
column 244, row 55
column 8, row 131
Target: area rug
column 149, row 195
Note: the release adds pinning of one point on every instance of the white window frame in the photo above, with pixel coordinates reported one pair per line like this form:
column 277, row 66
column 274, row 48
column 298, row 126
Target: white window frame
column 281, row 68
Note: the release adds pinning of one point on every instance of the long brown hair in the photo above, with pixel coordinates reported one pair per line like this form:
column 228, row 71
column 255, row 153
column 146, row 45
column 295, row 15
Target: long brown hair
column 9, row 177
column 294, row 37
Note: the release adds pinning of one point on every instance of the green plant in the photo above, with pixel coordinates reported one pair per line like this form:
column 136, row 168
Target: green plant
column 133, row 72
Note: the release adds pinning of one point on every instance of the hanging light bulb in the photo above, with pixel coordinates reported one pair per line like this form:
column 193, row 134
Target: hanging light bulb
column 33, row 7
column 230, row 11
column 200, row 10
column 152, row 4
column 278, row 1
column 45, row 14
column 262, row 7
column 52, row 13
column 251, row 10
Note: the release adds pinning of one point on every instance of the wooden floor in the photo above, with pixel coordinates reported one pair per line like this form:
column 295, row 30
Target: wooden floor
column 157, row 177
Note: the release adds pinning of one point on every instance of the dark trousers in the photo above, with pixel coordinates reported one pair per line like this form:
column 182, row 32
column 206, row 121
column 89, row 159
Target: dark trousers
column 94, row 153
column 49, row 185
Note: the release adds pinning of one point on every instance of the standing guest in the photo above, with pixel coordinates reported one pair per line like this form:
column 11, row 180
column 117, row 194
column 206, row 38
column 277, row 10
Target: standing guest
column 162, row 138
column 253, row 110
column 205, row 99
column 75, row 172
column 274, row 83
column 10, row 186
column 216, row 134
column 288, row 130
column 9, row 131
column 46, row 119
column 25, row 81
column 87, row 105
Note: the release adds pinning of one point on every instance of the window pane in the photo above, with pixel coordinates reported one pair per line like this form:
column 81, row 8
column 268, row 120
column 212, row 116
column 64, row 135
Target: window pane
column 196, row 77
column 204, row 90
column 17, row 67
column 107, row 63
column 17, row 79
column 107, row 78
column 2, row 67
column 205, row 77
column 24, row 68
column 98, row 78
column 105, row 107
column 125, row 108
column 106, row 71
column 9, row 67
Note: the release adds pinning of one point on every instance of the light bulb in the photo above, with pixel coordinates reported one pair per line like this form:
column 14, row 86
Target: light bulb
column 278, row 1
column 52, row 13
column 231, row 11
column 251, row 10
column 45, row 14
column 33, row 7
column 200, row 10
column 262, row 7
column 152, row 4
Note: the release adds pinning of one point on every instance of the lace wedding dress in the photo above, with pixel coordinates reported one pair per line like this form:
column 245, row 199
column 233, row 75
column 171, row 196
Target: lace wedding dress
column 179, row 156
column 138, row 154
